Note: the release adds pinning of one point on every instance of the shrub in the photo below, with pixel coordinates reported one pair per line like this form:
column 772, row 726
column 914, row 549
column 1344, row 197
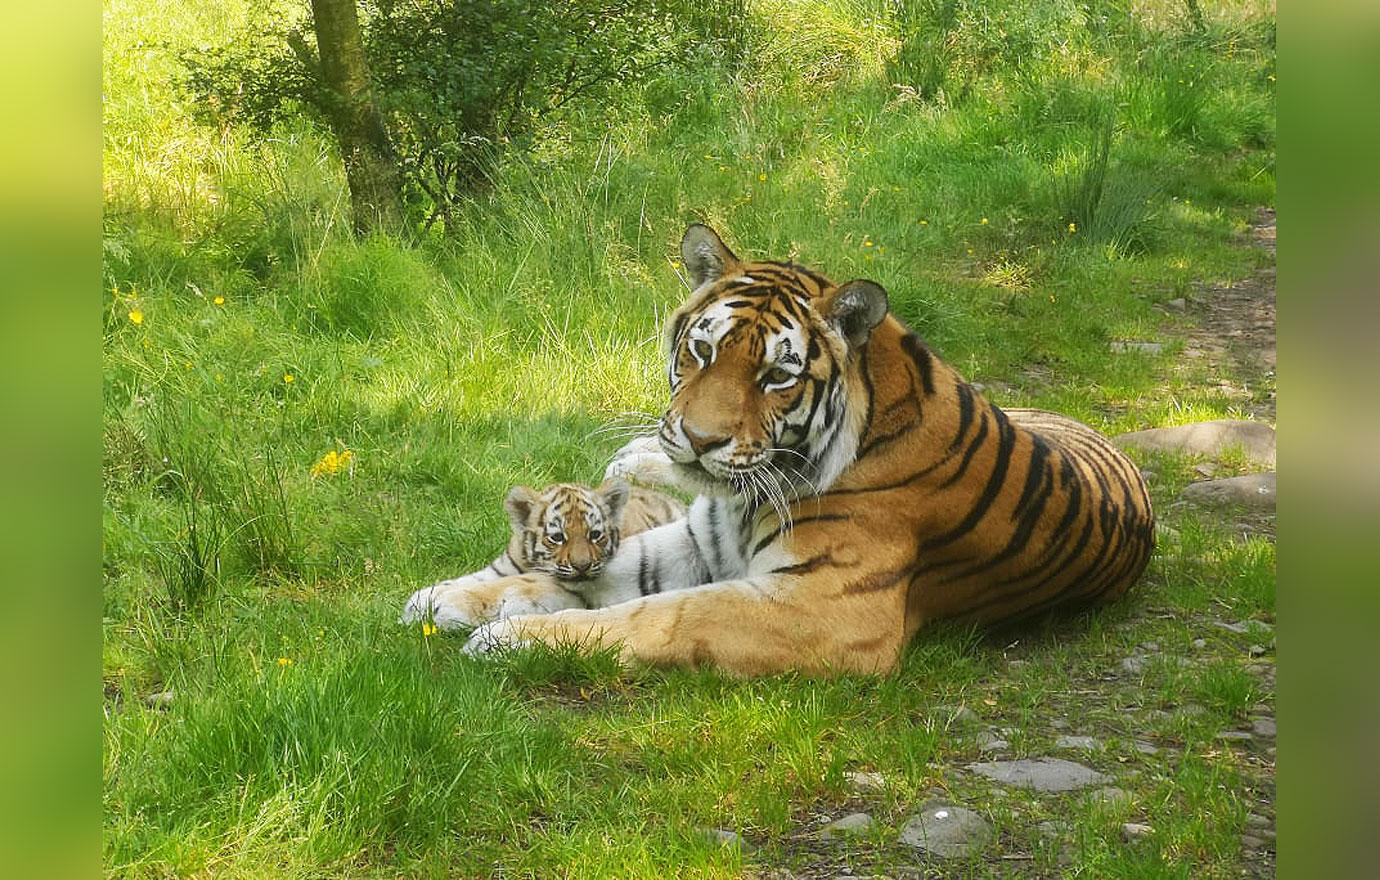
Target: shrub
column 460, row 84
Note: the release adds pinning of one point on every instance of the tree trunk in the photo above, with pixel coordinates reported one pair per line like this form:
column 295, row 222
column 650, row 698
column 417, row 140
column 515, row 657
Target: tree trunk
column 370, row 168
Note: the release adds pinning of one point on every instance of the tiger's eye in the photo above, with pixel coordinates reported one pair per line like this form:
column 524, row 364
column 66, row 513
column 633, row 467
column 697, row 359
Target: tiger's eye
column 702, row 350
column 556, row 538
column 595, row 534
column 777, row 376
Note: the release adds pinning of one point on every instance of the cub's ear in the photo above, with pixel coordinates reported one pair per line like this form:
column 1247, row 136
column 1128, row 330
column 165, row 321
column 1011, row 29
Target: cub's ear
column 519, row 505
column 615, row 495
column 705, row 254
column 855, row 309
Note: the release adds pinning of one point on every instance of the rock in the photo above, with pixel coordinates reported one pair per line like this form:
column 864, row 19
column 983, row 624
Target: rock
column 1133, row 665
column 1241, row 627
column 1132, row 831
column 955, row 715
column 1150, row 647
column 946, row 831
column 1145, row 748
column 865, row 780
column 1049, row 829
column 1206, row 469
column 1041, row 774
column 1200, row 644
column 1235, row 735
column 724, row 837
column 1178, row 304
column 1256, row 439
column 1110, row 795
column 1257, row 650
column 990, row 742
column 1255, row 820
column 1250, row 842
column 1256, row 491
column 853, row 823
column 1081, row 743
column 1059, row 724
column 1264, row 727
column 1120, row 347
column 159, row 700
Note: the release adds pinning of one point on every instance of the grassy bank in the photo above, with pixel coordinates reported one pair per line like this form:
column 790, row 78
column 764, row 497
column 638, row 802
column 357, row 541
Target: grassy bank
column 1077, row 168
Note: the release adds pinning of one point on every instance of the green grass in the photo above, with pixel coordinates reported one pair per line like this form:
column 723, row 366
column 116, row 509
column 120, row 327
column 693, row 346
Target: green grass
column 454, row 368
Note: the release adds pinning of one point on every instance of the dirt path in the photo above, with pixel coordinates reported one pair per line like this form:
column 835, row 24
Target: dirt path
column 1235, row 330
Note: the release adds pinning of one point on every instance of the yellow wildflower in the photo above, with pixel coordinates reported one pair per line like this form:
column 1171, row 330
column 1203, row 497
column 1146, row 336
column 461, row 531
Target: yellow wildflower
column 333, row 463
column 220, row 300
column 924, row 223
column 762, row 177
column 867, row 242
column 428, row 630
column 983, row 221
column 288, row 378
column 136, row 316
column 284, row 661
column 1073, row 227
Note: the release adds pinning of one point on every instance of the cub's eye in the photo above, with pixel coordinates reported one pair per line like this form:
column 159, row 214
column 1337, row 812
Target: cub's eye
column 702, row 350
column 555, row 538
column 777, row 376
column 595, row 535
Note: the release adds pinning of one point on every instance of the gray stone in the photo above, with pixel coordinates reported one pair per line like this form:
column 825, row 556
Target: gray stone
column 1257, row 650
column 1264, row 727
column 1241, row 627
column 1120, row 346
column 1256, row 439
column 1250, row 842
column 865, row 780
column 1150, row 647
column 1041, row 774
column 1255, row 491
column 990, row 742
column 1235, row 735
column 853, row 823
column 946, row 831
column 1145, row 748
column 159, row 700
column 1133, row 665
column 1049, row 829
column 1059, row 724
column 1200, row 644
column 1110, row 795
column 955, row 715
column 1081, row 743
column 1178, row 304
column 1135, row 831
column 1255, row 820
column 1205, row 469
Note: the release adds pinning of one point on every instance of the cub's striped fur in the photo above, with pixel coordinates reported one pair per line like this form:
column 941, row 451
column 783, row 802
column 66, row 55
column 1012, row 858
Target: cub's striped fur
column 567, row 531
column 853, row 488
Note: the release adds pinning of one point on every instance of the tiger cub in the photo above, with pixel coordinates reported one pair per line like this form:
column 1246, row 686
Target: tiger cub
column 565, row 530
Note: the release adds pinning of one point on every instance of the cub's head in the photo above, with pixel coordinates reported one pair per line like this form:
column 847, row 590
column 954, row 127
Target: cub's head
column 566, row 530
column 759, row 363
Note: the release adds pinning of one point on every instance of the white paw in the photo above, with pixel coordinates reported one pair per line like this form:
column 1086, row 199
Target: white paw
column 641, row 461
column 498, row 635
column 431, row 604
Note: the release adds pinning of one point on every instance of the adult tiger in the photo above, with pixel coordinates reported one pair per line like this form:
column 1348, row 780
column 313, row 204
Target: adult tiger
column 854, row 488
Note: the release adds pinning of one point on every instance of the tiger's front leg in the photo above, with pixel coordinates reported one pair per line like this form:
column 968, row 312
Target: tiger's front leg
column 757, row 626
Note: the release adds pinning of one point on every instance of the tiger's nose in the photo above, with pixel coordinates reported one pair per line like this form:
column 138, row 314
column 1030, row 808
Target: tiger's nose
column 702, row 443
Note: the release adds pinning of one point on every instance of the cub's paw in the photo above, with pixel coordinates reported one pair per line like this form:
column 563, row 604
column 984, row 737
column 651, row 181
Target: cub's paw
column 493, row 637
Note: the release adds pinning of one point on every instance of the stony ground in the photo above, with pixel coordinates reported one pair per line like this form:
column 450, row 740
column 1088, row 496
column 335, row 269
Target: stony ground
column 1111, row 741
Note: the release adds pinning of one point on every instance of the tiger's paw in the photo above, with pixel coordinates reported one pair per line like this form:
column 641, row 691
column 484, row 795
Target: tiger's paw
column 641, row 460
column 493, row 637
column 435, row 604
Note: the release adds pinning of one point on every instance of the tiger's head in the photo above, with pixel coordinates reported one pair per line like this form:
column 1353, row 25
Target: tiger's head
column 763, row 360
column 566, row 530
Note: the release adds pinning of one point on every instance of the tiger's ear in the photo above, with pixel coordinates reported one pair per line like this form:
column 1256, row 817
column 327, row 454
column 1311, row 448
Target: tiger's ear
column 705, row 254
column 519, row 505
column 855, row 309
column 615, row 494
